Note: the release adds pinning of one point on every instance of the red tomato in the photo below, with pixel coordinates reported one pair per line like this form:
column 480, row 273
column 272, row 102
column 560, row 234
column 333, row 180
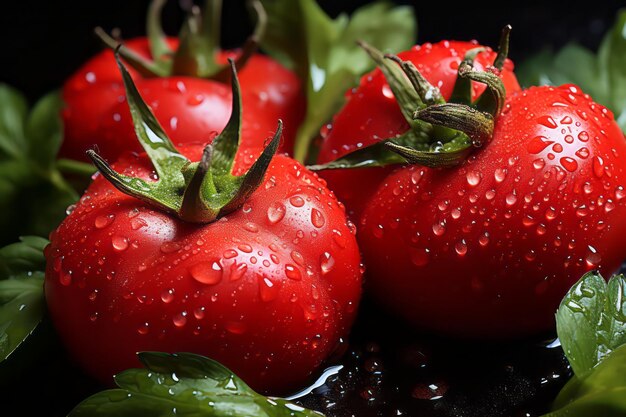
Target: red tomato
column 267, row 290
column 372, row 113
column 94, row 98
column 489, row 249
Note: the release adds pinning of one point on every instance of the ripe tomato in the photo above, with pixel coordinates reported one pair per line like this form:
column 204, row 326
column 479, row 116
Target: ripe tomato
column 95, row 112
column 371, row 113
column 267, row 290
column 488, row 249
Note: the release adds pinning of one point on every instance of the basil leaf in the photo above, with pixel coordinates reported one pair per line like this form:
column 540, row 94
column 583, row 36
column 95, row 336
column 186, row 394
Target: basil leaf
column 602, row 75
column 22, row 304
column 601, row 392
column 183, row 384
column 324, row 52
column 591, row 320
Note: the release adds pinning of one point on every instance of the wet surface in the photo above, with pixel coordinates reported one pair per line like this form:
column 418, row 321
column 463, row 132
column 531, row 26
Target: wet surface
column 386, row 370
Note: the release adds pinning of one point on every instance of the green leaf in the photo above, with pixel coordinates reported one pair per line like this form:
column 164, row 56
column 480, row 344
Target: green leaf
column 602, row 75
column 22, row 307
column 183, row 385
column 22, row 257
column 13, row 110
column 591, row 320
column 324, row 52
column 602, row 392
column 44, row 130
column 22, row 304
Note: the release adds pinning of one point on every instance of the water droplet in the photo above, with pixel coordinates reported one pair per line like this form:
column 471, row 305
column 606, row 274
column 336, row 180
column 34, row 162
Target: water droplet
column 65, row 279
column 598, row 166
column 143, row 329
column 583, row 136
column 547, row 121
column 235, row 327
column 327, row 262
column 119, row 243
column 473, row 178
column 195, row 99
column 558, row 148
column 593, row 258
column 461, row 247
column 500, row 174
column 137, row 223
column 538, row 144
column 296, row 201
column 339, row 239
column 276, row 212
column 539, row 163
column 317, row 218
column 619, row 193
column 209, row 273
column 170, row 247
column 229, row 253
column 416, row 176
column 483, row 240
column 569, row 164
column 511, row 199
column 70, row 209
column 297, row 258
column 167, row 296
column 245, row 248
column 251, row 227
column 268, row 290
column 103, row 221
column 237, row 271
column 180, row 319
column 292, row 272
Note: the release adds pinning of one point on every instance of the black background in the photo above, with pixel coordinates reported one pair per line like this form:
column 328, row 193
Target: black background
column 43, row 42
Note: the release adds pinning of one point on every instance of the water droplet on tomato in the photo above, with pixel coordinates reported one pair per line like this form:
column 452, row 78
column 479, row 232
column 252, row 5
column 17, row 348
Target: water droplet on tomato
column 538, row 144
column 65, row 279
column 170, row 247
column 120, row 243
column 229, row 253
column 103, row 221
column 296, row 201
column 569, row 164
column 439, row 228
column 583, row 136
column 598, row 166
column 235, row 327
column 473, row 178
column 209, row 273
column 317, row 218
column 292, row 272
column 268, row 290
column 137, row 223
column 593, row 258
column 500, row 174
column 547, row 121
column 327, row 262
column 167, row 296
column 276, row 212
column 461, row 247
column 180, row 319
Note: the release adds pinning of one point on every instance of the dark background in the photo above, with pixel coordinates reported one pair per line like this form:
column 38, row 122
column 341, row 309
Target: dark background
column 43, row 42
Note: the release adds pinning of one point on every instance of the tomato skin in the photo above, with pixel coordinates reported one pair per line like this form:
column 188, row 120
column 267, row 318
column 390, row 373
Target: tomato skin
column 94, row 98
column 120, row 279
column 371, row 113
column 490, row 248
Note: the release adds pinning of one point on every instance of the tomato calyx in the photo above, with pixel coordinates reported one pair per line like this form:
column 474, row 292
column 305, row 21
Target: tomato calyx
column 197, row 192
column 199, row 43
column 441, row 134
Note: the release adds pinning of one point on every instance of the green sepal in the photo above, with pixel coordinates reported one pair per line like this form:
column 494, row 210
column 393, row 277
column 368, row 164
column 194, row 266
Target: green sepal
column 492, row 100
column 195, row 192
column 462, row 91
column 199, row 43
column 474, row 123
column 445, row 155
column 503, row 48
column 184, row 385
